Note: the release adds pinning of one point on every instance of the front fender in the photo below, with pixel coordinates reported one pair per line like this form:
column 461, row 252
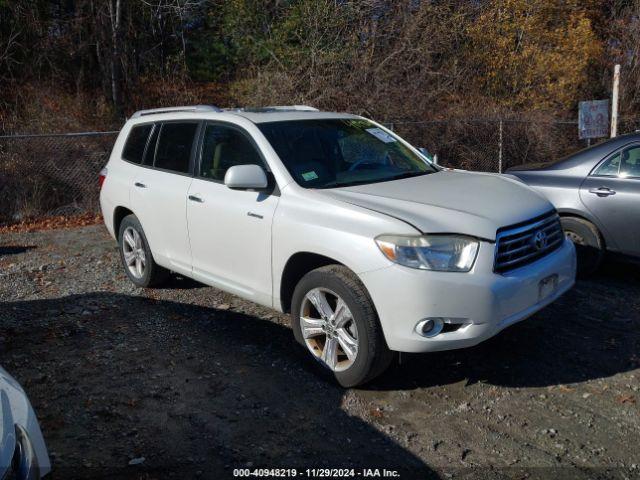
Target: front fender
column 342, row 232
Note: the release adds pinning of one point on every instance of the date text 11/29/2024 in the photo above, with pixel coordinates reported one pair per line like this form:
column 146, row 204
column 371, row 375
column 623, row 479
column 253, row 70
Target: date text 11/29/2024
column 316, row 473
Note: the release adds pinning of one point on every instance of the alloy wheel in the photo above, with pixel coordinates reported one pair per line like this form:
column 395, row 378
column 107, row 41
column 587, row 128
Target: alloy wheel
column 328, row 329
column 133, row 251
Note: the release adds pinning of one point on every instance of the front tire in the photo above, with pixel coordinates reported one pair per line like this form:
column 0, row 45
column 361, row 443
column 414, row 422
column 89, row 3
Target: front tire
column 333, row 317
column 588, row 242
column 136, row 255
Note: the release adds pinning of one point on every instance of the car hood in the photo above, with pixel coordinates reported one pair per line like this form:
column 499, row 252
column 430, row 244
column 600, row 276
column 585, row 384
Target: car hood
column 450, row 201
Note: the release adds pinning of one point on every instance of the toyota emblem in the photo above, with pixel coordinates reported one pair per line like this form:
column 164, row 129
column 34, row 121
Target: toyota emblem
column 540, row 240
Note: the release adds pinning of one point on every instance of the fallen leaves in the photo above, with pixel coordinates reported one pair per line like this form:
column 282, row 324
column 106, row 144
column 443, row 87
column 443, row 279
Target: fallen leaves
column 565, row 389
column 52, row 223
column 376, row 412
column 622, row 399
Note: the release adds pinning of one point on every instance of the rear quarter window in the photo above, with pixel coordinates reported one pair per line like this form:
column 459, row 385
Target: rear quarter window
column 133, row 150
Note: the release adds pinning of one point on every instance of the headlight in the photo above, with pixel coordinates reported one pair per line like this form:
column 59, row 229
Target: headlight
column 443, row 253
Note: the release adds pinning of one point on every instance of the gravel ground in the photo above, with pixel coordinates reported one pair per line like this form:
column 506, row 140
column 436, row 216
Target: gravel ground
column 187, row 381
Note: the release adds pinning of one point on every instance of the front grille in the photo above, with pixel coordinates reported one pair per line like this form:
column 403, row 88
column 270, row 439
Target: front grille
column 525, row 243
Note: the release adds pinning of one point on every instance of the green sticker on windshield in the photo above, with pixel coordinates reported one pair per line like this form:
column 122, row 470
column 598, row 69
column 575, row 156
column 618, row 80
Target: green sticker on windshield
column 308, row 176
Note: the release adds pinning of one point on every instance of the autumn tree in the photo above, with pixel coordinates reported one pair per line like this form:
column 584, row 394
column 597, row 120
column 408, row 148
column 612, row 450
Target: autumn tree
column 534, row 53
column 623, row 47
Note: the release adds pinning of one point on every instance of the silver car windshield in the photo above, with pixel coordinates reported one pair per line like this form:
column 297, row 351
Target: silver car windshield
column 333, row 153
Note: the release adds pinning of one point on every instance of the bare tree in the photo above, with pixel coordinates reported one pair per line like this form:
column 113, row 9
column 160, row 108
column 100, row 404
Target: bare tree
column 8, row 47
column 115, row 17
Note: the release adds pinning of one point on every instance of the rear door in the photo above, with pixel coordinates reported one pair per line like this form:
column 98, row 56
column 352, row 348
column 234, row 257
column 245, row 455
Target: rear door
column 612, row 193
column 159, row 192
column 230, row 230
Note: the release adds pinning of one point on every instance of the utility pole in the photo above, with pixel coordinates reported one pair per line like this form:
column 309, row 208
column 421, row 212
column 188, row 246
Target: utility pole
column 614, row 101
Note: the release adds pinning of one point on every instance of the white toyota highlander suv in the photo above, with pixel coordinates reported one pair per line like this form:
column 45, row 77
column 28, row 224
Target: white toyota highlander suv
column 371, row 247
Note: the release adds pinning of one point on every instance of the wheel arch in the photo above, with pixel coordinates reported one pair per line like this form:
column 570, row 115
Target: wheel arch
column 297, row 266
column 587, row 218
column 119, row 214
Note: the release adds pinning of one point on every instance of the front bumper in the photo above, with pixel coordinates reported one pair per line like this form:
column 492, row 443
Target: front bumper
column 484, row 302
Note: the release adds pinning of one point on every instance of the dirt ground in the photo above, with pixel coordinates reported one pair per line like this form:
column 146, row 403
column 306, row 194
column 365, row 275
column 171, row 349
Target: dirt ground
column 189, row 382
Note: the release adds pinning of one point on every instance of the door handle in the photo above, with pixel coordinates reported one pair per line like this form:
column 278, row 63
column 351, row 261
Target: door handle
column 602, row 191
column 196, row 198
column 140, row 185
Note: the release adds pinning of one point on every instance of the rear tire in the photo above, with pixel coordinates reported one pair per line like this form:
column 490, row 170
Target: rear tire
column 588, row 242
column 136, row 255
column 340, row 287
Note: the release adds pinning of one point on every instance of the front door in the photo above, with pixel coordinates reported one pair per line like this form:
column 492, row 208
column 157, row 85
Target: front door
column 230, row 230
column 612, row 194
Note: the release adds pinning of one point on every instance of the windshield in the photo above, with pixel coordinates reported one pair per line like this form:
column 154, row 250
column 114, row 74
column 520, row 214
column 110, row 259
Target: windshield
column 333, row 153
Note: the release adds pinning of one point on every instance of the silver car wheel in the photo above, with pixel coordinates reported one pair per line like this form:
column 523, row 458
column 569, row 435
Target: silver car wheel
column 574, row 237
column 133, row 251
column 328, row 329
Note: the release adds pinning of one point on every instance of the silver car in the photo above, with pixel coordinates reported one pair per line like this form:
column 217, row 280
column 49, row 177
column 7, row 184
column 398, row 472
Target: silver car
column 597, row 193
column 23, row 454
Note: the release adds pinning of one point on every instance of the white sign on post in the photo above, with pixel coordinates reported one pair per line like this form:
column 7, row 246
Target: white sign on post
column 593, row 119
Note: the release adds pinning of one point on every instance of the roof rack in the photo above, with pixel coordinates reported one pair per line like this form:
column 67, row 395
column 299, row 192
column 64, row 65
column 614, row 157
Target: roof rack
column 187, row 108
column 279, row 108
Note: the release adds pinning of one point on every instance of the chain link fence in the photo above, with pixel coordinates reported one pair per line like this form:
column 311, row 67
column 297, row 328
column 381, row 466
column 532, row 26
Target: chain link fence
column 46, row 175
column 494, row 145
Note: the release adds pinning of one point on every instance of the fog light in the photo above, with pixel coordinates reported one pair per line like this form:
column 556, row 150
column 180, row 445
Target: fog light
column 430, row 327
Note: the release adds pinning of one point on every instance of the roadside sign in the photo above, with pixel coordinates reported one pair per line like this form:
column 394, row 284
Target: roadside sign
column 593, row 119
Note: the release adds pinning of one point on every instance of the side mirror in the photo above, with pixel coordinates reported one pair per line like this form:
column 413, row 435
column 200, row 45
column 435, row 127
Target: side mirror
column 246, row 177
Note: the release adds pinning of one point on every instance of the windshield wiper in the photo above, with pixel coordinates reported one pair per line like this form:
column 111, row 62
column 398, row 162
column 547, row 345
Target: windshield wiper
column 409, row 175
column 336, row 184
column 348, row 184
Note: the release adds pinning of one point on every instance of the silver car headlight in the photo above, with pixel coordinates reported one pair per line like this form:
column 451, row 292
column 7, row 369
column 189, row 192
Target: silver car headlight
column 442, row 253
column 25, row 459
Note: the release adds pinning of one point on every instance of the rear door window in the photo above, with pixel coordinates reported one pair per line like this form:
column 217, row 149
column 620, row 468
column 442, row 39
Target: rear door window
column 175, row 143
column 630, row 166
column 133, row 150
